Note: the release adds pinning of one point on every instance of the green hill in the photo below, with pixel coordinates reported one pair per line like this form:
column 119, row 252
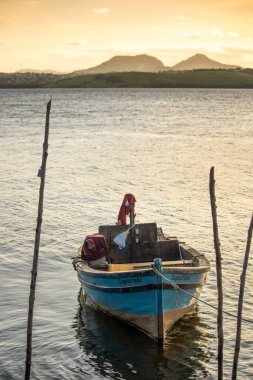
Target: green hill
column 241, row 78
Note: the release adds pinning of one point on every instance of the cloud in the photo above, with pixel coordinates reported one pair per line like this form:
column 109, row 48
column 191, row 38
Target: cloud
column 79, row 42
column 233, row 34
column 3, row 43
column 248, row 58
column 101, row 10
column 215, row 32
column 241, row 44
column 182, row 18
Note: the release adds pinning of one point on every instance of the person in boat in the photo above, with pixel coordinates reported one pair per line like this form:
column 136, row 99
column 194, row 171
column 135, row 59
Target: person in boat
column 94, row 249
column 127, row 207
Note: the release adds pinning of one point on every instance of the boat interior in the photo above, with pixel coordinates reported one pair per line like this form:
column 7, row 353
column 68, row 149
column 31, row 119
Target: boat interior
column 144, row 243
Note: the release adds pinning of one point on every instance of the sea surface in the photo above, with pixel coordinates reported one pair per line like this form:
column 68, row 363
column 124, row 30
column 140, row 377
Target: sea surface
column 158, row 144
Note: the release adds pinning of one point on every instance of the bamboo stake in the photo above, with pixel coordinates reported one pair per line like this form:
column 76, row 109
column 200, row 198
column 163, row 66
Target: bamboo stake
column 219, row 275
column 240, row 301
column 42, row 175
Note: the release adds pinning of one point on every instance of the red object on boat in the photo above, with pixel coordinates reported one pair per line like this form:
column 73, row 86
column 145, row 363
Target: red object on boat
column 94, row 247
column 127, row 206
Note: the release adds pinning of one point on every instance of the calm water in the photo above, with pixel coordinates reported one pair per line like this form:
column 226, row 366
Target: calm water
column 159, row 145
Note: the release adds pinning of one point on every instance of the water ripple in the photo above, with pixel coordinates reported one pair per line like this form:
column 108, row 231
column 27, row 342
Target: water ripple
column 159, row 145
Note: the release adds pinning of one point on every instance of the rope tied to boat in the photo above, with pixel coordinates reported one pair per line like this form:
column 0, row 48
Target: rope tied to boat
column 177, row 287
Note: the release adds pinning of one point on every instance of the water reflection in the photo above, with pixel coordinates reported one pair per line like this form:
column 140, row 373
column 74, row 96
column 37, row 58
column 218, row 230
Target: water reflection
column 114, row 349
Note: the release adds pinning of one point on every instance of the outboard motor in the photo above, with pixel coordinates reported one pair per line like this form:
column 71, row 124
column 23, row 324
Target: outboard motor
column 94, row 249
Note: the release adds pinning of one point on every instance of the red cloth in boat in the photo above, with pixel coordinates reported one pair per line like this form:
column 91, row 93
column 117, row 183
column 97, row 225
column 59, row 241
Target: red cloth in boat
column 99, row 249
column 128, row 205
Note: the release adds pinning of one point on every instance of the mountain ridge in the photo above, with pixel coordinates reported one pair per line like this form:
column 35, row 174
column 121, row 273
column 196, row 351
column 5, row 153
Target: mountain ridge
column 125, row 63
column 201, row 61
column 140, row 63
column 148, row 63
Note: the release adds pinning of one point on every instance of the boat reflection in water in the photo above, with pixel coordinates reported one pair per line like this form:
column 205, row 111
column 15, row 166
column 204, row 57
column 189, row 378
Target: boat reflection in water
column 112, row 349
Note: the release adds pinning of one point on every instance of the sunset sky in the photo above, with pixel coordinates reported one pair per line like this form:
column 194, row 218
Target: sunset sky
column 67, row 35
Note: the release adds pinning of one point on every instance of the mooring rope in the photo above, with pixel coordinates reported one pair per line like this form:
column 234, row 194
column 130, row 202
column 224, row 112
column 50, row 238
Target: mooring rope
column 175, row 286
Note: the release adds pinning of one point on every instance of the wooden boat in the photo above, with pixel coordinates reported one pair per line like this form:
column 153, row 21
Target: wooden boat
column 150, row 283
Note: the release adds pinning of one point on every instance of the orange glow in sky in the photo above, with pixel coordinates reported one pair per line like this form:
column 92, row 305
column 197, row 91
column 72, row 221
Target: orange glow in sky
column 68, row 35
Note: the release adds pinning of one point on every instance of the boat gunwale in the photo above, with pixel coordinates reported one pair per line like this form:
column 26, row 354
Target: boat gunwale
column 89, row 271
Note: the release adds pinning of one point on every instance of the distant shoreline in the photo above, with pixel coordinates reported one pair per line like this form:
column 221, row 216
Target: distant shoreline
column 237, row 78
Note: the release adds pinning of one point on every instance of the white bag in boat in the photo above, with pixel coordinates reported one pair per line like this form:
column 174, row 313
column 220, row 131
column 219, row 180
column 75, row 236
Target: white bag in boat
column 120, row 239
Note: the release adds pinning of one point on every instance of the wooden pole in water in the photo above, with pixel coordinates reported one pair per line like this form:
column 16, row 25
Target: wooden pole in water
column 42, row 175
column 240, row 301
column 219, row 275
column 159, row 302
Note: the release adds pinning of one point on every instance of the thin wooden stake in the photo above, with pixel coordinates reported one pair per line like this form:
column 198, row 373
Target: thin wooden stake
column 42, row 175
column 240, row 301
column 219, row 275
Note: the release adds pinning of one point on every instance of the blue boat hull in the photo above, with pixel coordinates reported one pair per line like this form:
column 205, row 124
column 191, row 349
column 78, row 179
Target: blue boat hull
column 141, row 297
